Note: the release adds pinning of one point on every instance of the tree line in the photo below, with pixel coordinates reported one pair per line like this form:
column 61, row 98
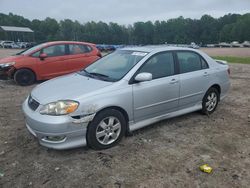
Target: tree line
column 206, row 30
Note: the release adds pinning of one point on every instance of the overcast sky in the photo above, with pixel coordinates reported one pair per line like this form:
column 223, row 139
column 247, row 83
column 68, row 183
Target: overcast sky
column 122, row 11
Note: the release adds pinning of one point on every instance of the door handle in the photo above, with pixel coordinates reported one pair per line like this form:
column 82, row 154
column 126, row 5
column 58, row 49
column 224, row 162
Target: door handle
column 205, row 74
column 173, row 81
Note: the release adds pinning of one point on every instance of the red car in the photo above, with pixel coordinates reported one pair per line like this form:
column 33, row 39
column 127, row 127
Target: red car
column 48, row 60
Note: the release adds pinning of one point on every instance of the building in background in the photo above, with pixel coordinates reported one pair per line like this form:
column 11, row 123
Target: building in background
column 17, row 34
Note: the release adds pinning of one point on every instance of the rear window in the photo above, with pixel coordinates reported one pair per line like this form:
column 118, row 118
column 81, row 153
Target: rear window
column 79, row 49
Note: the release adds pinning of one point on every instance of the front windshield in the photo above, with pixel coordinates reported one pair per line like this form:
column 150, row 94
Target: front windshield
column 115, row 65
column 29, row 50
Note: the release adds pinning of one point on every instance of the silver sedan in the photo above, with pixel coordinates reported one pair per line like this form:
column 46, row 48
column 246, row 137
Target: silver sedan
column 122, row 92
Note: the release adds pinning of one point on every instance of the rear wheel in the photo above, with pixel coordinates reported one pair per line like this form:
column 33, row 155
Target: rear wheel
column 24, row 77
column 106, row 130
column 210, row 101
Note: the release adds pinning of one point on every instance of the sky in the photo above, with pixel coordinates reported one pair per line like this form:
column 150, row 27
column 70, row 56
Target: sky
column 122, row 11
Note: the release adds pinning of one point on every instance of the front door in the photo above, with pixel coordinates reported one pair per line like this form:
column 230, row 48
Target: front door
column 160, row 95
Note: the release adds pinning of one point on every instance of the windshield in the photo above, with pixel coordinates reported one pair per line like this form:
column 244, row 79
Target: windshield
column 29, row 50
column 114, row 66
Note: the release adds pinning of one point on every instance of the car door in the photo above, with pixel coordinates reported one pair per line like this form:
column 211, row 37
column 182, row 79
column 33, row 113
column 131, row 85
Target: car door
column 54, row 64
column 160, row 95
column 79, row 56
column 194, row 78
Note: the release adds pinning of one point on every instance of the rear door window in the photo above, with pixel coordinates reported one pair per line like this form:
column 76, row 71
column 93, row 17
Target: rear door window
column 79, row 49
column 190, row 61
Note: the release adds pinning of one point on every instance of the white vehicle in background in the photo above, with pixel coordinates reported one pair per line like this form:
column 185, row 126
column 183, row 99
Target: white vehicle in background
column 224, row 45
column 15, row 45
column 194, row 46
column 210, row 45
column 235, row 44
column 246, row 44
column 22, row 44
column 7, row 44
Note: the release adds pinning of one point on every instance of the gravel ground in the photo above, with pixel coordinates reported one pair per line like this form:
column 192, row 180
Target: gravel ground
column 166, row 154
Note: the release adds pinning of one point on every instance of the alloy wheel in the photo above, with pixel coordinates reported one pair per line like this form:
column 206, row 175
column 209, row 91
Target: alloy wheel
column 211, row 101
column 108, row 130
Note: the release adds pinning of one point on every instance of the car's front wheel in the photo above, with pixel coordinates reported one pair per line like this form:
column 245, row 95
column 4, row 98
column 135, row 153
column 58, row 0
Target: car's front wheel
column 210, row 101
column 24, row 77
column 106, row 130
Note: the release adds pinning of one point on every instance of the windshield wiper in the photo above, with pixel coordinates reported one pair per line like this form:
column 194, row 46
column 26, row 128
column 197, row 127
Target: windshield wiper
column 98, row 74
column 102, row 76
column 86, row 73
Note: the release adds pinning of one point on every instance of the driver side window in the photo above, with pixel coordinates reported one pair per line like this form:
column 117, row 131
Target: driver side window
column 160, row 65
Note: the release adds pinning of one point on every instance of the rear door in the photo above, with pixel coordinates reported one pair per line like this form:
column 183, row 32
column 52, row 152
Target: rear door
column 194, row 78
column 79, row 56
column 160, row 95
column 54, row 64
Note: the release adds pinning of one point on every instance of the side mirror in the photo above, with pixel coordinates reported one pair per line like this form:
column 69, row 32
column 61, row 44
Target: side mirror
column 144, row 76
column 43, row 56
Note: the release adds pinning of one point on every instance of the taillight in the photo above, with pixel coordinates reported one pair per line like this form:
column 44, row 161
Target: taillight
column 228, row 71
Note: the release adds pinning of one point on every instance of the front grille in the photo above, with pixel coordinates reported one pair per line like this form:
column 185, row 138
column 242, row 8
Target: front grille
column 33, row 104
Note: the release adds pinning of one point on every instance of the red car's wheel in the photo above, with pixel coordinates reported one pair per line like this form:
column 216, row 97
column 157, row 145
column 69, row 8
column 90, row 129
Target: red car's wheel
column 24, row 77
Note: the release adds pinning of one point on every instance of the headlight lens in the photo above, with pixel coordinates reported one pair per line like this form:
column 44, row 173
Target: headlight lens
column 3, row 65
column 59, row 108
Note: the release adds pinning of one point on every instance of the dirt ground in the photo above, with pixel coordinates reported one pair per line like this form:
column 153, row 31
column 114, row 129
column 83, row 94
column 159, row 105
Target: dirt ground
column 166, row 154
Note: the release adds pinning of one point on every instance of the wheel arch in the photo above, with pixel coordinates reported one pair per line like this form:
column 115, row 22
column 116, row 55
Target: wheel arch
column 217, row 87
column 16, row 69
column 120, row 109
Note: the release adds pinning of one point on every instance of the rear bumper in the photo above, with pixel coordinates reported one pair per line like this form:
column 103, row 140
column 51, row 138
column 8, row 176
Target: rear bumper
column 57, row 132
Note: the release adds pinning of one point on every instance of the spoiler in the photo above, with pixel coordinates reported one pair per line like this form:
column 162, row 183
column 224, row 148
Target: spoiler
column 222, row 62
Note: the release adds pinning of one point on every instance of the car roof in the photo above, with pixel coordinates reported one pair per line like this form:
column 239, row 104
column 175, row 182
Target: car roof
column 67, row 42
column 156, row 48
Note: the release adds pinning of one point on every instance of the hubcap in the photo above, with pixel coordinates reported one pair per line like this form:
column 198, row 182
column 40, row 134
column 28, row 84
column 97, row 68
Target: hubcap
column 25, row 78
column 211, row 101
column 108, row 130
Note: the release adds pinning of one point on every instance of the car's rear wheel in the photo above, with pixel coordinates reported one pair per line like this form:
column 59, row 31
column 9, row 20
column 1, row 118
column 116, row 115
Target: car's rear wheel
column 106, row 130
column 24, row 77
column 210, row 101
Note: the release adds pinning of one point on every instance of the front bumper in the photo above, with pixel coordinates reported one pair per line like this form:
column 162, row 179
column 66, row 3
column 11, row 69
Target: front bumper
column 6, row 72
column 57, row 132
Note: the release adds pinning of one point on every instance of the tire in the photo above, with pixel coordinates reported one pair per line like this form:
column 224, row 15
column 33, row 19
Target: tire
column 106, row 130
column 24, row 77
column 210, row 101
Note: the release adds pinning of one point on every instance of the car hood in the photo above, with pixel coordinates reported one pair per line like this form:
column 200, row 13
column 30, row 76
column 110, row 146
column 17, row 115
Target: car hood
column 70, row 87
column 9, row 59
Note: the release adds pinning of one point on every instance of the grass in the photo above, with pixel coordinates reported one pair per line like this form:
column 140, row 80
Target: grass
column 231, row 59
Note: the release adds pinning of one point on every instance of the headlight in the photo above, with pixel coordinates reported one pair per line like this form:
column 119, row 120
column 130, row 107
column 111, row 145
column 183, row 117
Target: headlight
column 3, row 65
column 59, row 108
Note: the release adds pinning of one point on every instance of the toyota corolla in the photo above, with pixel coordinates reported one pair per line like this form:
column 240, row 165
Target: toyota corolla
column 122, row 92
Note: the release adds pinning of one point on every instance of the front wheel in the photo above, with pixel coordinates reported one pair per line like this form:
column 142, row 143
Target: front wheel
column 210, row 101
column 24, row 77
column 106, row 130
